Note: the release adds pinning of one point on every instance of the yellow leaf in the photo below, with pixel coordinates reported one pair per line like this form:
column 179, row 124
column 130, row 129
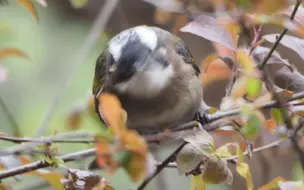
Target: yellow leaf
column 245, row 60
column 240, row 154
column 223, row 151
column 110, row 109
column 51, row 177
column 243, row 169
column 197, row 183
column 273, row 184
column 28, row 4
column 11, row 52
column 239, row 87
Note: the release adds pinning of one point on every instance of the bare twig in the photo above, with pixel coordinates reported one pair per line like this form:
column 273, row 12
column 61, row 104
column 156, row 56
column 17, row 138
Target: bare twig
column 234, row 158
column 10, row 118
column 45, row 140
column 160, row 167
column 284, row 31
column 99, row 25
column 43, row 164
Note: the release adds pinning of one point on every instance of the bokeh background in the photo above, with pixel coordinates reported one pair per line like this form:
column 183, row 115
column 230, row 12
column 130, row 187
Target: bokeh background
column 53, row 46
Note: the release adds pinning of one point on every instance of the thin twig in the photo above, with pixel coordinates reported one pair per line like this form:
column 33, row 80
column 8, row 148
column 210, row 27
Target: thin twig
column 10, row 118
column 43, row 164
column 160, row 167
column 45, row 140
column 284, row 31
column 99, row 25
column 234, row 158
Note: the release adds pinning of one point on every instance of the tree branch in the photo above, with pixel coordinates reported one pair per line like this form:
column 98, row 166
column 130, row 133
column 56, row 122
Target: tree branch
column 43, row 164
column 160, row 167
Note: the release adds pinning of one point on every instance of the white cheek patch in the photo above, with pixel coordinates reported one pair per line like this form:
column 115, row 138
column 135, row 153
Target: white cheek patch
column 146, row 35
column 149, row 83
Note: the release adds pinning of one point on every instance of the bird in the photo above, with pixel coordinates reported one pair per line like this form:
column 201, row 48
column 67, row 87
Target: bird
column 154, row 76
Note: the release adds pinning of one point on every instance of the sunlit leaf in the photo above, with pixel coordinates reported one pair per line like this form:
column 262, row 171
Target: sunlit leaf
column 202, row 140
column 110, row 109
column 28, row 4
column 254, row 87
column 240, row 154
column 217, row 171
column 197, row 183
column 207, row 27
column 12, row 52
column 273, row 184
column 243, row 169
column 188, row 158
column 80, row 179
column 77, row 4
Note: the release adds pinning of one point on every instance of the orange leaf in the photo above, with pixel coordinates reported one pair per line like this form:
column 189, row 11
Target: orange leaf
column 29, row 6
column 271, row 124
column 207, row 61
column 12, row 51
column 105, row 162
column 133, row 142
column 217, row 70
column 110, row 109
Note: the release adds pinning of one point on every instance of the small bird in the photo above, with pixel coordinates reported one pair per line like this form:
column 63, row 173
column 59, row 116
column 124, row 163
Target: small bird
column 155, row 77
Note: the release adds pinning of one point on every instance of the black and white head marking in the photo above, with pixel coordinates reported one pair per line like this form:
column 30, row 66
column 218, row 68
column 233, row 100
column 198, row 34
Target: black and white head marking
column 146, row 35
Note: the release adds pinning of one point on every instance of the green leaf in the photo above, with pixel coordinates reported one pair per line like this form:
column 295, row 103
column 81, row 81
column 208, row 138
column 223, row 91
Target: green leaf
column 203, row 141
column 197, row 183
column 254, row 87
column 277, row 115
column 241, row 157
column 252, row 127
column 188, row 158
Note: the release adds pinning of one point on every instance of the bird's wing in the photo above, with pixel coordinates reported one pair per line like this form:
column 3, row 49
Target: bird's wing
column 182, row 49
column 98, row 82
